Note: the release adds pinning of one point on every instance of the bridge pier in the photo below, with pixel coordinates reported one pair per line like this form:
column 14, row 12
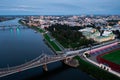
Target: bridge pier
column 66, row 60
column 45, row 67
column 71, row 62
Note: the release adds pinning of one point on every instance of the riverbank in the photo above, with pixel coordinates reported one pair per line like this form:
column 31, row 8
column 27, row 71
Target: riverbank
column 95, row 71
column 51, row 43
column 48, row 39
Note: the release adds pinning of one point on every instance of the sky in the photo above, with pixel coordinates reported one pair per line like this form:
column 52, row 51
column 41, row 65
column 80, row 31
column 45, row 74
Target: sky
column 59, row 7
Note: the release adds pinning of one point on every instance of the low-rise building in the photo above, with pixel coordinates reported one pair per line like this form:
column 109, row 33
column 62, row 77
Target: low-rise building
column 91, row 33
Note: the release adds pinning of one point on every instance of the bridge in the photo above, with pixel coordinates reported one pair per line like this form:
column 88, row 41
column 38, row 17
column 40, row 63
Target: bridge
column 45, row 59
column 10, row 25
column 7, row 27
column 42, row 60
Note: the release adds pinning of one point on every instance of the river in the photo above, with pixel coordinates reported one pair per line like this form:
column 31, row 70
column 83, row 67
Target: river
column 20, row 45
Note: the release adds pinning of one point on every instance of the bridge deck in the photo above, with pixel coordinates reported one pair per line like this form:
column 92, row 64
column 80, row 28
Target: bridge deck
column 39, row 61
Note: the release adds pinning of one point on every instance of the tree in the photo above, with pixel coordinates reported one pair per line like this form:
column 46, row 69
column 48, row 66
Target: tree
column 68, row 36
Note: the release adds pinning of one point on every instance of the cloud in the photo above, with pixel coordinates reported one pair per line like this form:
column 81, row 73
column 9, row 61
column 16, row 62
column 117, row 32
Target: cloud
column 59, row 6
column 27, row 7
column 18, row 8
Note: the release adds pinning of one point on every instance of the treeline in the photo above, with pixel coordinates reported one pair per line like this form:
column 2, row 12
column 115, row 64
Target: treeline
column 69, row 36
column 112, row 22
column 117, row 33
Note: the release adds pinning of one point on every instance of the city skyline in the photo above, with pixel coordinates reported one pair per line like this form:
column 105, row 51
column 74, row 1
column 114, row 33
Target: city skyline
column 56, row 7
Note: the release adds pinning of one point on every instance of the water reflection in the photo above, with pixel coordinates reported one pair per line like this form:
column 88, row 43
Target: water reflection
column 11, row 30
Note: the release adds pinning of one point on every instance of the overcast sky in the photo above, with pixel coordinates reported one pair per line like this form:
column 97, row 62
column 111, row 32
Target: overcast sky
column 59, row 7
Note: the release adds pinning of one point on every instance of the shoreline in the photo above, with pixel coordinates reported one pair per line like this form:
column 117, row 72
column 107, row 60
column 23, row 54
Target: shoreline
column 49, row 43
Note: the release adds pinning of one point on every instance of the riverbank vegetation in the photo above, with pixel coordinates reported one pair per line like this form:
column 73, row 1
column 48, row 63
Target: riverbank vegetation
column 47, row 38
column 51, row 42
column 33, row 27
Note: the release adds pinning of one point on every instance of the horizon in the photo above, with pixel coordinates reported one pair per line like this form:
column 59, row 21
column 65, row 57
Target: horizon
column 66, row 15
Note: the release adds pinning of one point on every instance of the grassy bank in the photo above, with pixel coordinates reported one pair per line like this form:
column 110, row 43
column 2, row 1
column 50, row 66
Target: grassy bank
column 47, row 38
column 51, row 43
column 41, row 30
column 96, row 72
column 33, row 27
column 37, row 29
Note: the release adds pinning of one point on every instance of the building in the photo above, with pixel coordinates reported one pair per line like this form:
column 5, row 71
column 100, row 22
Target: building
column 91, row 33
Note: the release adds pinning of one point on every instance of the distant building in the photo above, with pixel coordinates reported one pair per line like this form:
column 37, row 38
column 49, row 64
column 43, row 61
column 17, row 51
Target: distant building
column 44, row 26
column 119, row 22
column 91, row 33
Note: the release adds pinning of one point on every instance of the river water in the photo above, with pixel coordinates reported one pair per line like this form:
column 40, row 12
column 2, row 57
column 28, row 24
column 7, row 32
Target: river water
column 20, row 45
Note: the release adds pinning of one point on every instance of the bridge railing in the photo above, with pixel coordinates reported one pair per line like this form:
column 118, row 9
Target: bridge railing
column 42, row 59
column 14, row 27
column 9, row 25
column 22, row 65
